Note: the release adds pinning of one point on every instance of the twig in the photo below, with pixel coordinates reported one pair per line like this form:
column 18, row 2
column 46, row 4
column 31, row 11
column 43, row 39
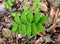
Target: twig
column 56, row 16
column 54, row 23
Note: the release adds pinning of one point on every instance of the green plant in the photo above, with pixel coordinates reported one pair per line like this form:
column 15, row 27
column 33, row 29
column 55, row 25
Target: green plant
column 9, row 3
column 26, row 22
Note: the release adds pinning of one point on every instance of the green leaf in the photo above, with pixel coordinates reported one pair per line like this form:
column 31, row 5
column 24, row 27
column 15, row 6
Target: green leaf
column 14, row 29
column 19, row 28
column 30, row 16
column 14, row 24
column 25, row 7
column 28, row 30
column 43, row 19
column 7, row 5
column 34, row 29
column 25, row 12
column 17, row 19
column 23, row 18
column 23, row 29
column 12, row 0
column 37, row 9
column 41, row 28
column 37, row 1
column 37, row 17
column 13, row 14
column 34, row 6
column 9, row 2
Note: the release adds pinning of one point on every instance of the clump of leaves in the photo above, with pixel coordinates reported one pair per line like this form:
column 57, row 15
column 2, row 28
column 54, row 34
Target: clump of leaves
column 9, row 4
column 28, row 23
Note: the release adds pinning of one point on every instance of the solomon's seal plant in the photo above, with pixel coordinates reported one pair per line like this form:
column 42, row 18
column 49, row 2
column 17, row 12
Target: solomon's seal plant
column 27, row 22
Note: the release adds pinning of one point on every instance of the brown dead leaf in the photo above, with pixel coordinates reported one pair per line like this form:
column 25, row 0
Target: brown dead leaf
column 43, row 8
column 51, row 1
column 58, row 39
column 1, row 40
column 7, row 33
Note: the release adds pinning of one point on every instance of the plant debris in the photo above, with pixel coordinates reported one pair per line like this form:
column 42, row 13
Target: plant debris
column 50, row 8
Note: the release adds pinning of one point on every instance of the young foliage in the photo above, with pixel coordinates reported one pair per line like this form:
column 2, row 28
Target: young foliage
column 23, row 18
column 43, row 19
column 41, row 28
column 37, row 17
column 17, row 19
column 9, row 3
column 14, row 28
column 28, row 30
column 24, row 29
column 19, row 28
column 34, row 29
column 30, row 16
column 28, row 23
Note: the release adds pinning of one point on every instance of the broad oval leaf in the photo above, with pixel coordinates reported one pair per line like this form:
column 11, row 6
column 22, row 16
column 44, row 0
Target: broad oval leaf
column 19, row 30
column 30, row 16
column 43, row 19
column 41, row 28
column 7, row 5
column 37, row 17
column 25, row 12
column 28, row 30
column 34, row 29
column 10, row 2
column 14, row 29
column 17, row 19
column 23, row 18
column 14, row 24
column 23, row 29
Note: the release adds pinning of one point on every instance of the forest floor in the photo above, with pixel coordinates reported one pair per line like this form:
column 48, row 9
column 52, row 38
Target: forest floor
column 52, row 26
